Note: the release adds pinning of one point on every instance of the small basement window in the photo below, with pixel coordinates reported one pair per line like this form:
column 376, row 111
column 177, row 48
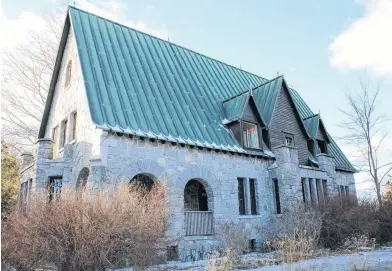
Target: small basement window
column 250, row 135
column 322, row 146
column 172, row 253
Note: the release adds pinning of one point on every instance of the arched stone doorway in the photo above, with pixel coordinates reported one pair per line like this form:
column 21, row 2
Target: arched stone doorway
column 81, row 182
column 143, row 180
column 198, row 208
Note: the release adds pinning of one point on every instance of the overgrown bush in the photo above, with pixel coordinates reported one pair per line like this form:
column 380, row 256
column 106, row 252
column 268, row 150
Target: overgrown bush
column 234, row 241
column 294, row 234
column 344, row 218
column 233, row 236
column 87, row 230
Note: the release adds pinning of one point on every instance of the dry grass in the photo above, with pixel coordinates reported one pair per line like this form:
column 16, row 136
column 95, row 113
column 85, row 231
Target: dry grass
column 233, row 236
column 295, row 234
column 87, row 230
column 234, row 240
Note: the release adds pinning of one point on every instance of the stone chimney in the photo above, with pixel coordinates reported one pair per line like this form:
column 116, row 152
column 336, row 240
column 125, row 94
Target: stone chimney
column 27, row 159
column 44, row 148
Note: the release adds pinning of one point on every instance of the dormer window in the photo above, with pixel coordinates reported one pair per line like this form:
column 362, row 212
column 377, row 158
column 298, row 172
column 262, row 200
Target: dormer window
column 322, row 146
column 250, row 135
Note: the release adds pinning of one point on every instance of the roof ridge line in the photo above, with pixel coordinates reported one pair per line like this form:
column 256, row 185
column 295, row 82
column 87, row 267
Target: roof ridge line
column 311, row 116
column 245, row 91
column 169, row 42
column 235, row 96
column 269, row 81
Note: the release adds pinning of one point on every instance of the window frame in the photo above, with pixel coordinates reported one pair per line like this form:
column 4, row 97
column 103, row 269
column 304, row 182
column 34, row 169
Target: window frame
column 51, row 187
column 288, row 135
column 324, row 145
column 325, row 188
column 253, row 196
column 63, row 133
column 241, row 196
column 73, row 130
column 278, row 207
column 257, row 131
column 68, row 74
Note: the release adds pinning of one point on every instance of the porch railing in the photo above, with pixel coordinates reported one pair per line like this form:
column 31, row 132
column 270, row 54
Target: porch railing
column 198, row 223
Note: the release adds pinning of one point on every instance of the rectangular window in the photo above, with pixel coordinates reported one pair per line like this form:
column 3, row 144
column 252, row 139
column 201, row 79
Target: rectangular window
column 303, row 180
column 252, row 190
column 322, row 146
column 311, row 188
column 54, row 187
column 241, row 196
column 346, row 190
column 341, row 190
column 252, row 245
column 277, row 197
column 172, row 253
column 318, row 189
column 63, row 136
column 30, row 184
column 250, row 135
column 288, row 139
column 74, row 122
column 55, row 137
column 325, row 188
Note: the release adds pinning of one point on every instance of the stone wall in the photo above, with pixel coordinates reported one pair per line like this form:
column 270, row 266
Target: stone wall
column 175, row 165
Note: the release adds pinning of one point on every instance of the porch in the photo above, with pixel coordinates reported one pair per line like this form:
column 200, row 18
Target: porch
column 197, row 209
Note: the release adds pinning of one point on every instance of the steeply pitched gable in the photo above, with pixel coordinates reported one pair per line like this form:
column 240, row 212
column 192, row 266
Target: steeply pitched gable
column 341, row 161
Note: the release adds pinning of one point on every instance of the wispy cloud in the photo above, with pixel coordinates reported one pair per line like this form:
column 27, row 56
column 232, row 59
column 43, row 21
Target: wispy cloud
column 116, row 11
column 367, row 41
column 15, row 31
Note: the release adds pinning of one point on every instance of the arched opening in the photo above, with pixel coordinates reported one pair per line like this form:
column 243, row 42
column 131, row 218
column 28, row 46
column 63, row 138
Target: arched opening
column 145, row 181
column 198, row 208
column 68, row 74
column 195, row 196
column 82, row 178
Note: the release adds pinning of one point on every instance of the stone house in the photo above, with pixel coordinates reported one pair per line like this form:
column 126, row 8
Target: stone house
column 230, row 145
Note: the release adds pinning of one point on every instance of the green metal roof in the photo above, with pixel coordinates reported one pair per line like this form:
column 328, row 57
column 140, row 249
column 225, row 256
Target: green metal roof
column 265, row 97
column 142, row 85
column 234, row 107
column 312, row 124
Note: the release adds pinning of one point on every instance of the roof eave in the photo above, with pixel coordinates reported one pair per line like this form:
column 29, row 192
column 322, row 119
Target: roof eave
column 53, row 82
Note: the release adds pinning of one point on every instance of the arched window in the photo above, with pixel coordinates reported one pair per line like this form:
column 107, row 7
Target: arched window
column 143, row 180
column 82, row 178
column 68, row 74
column 195, row 196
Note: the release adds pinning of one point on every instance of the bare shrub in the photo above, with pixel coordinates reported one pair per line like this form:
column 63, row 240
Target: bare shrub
column 87, row 230
column 344, row 218
column 294, row 234
column 224, row 260
column 233, row 236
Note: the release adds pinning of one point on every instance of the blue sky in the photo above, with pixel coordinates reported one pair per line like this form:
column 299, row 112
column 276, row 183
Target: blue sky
column 323, row 48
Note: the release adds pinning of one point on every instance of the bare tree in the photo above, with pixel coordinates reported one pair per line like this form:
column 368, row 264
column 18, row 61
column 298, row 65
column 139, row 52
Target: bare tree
column 27, row 71
column 364, row 128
